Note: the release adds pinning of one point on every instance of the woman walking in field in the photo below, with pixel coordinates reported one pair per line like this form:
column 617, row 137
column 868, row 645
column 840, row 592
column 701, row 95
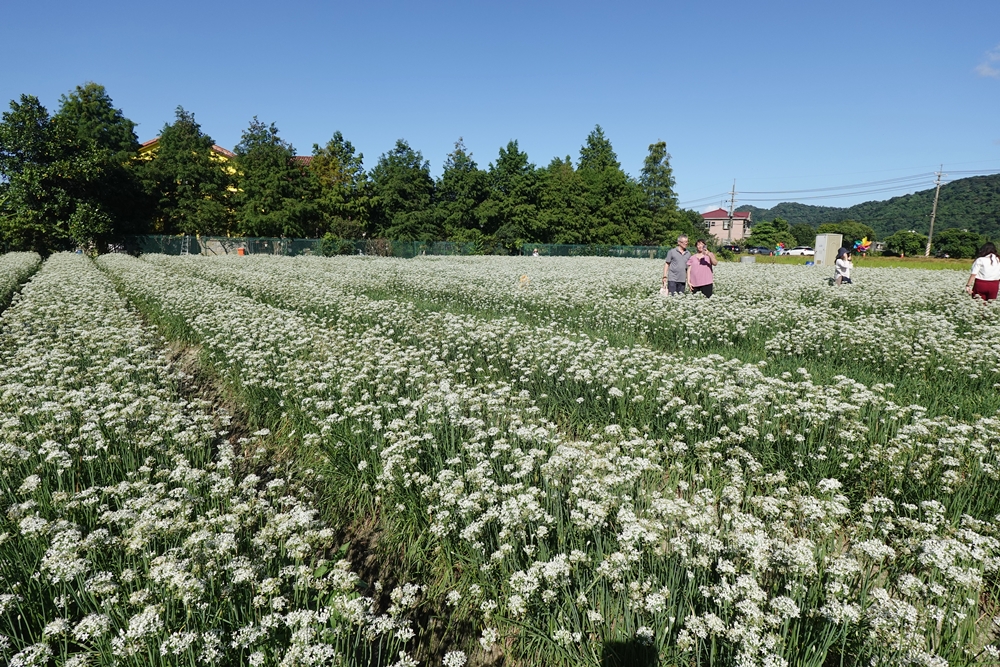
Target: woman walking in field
column 985, row 277
column 700, row 271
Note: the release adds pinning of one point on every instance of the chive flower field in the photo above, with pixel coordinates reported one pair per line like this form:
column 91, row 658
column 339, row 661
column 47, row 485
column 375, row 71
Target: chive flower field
column 479, row 461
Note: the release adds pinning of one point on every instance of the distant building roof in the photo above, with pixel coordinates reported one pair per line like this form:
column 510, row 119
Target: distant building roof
column 149, row 145
column 723, row 214
column 303, row 160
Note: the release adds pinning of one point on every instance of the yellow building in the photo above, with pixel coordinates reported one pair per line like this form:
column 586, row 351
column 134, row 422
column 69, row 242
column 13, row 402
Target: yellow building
column 148, row 149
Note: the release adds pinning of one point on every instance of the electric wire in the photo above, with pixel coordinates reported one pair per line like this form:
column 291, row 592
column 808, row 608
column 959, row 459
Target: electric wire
column 917, row 178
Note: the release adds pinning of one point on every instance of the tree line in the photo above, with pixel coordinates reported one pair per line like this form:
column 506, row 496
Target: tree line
column 949, row 242
column 77, row 177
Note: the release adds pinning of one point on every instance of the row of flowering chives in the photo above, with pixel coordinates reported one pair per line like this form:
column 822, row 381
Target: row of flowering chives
column 481, row 505
column 840, row 430
column 126, row 537
column 824, row 457
column 893, row 320
column 15, row 267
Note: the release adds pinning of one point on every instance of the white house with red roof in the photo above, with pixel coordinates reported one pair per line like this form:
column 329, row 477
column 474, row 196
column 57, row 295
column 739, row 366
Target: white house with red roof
column 725, row 228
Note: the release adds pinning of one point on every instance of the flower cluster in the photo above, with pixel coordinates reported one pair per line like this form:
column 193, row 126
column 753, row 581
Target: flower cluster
column 572, row 477
column 127, row 535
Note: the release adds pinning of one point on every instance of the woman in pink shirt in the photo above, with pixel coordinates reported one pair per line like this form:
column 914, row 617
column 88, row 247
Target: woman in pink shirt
column 700, row 276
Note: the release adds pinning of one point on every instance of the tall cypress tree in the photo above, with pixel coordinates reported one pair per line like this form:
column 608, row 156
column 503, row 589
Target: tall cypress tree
column 657, row 181
column 614, row 200
column 562, row 205
column 460, row 191
column 510, row 214
column 275, row 197
column 403, row 195
column 190, row 184
column 344, row 191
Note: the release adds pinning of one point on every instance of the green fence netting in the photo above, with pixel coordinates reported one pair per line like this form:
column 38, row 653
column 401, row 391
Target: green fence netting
column 596, row 250
column 222, row 245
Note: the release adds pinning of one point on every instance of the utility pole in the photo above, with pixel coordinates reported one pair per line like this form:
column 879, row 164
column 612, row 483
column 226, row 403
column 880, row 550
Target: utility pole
column 937, row 192
column 732, row 203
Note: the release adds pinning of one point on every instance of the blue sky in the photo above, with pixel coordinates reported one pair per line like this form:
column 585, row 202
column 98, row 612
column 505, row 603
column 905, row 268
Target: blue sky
column 778, row 96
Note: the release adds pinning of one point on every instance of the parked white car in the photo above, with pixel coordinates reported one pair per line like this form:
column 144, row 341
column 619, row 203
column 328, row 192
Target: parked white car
column 802, row 251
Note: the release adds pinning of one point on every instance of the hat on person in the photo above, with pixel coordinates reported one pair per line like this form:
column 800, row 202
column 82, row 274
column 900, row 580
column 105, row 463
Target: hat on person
column 843, row 252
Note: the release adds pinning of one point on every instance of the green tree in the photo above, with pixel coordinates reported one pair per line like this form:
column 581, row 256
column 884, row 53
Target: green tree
column 460, row 191
column 403, row 196
column 851, row 230
column 344, row 192
column 770, row 233
column 91, row 114
column 905, row 243
column 657, row 181
column 34, row 203
column 188, row 181
column 110, row 193
column 617, row 206
column 957, row 243
column 804, row 234
column 275, row 195
column 597, row 154
column 66, row 179
column 562, row 210
column 510, row 213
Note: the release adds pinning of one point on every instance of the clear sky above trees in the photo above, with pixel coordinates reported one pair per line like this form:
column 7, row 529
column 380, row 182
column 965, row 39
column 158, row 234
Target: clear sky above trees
column 804, row 95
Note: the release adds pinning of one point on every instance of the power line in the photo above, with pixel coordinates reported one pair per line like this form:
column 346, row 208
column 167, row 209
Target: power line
column 900, row 184
column 704, row 200
column 834, row 196
column 901, row 180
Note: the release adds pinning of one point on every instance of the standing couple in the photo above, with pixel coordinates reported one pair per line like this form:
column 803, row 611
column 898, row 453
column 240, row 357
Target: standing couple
column 683, row 268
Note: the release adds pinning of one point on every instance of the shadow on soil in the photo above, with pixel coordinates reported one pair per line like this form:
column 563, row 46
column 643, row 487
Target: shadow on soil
column 629, row 654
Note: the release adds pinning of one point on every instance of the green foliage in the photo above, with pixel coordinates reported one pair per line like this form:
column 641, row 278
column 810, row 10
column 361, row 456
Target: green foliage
column 460, row 191
column 190, row 186
column 657, row 182
column 597, row 154
column 797, row 213
column 88, row 222
column 402, row 196
column 851, row 230
column 510, row 213
column 344, row 199
column 804, row 234
column 93, row 118
column 34, row 202
column 614, row 202
column 562, row 207
column 331, row 245
column 67, row 179
column 957, row 243
column 905, row 243
column 275, row 196
column 769, row 234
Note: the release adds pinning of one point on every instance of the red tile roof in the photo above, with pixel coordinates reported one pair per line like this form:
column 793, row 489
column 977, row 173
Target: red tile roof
column 723, row 214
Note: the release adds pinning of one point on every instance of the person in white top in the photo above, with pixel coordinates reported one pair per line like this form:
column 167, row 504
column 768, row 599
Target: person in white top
column 985, row 277
column 843, row 266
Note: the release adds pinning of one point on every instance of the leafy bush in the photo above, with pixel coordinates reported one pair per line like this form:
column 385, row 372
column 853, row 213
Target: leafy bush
column 331, row 245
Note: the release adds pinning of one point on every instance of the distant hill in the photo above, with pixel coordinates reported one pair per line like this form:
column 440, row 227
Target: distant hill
column 968, row 203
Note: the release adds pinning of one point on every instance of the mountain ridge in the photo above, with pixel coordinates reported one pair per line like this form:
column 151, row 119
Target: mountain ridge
column 971, row 203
